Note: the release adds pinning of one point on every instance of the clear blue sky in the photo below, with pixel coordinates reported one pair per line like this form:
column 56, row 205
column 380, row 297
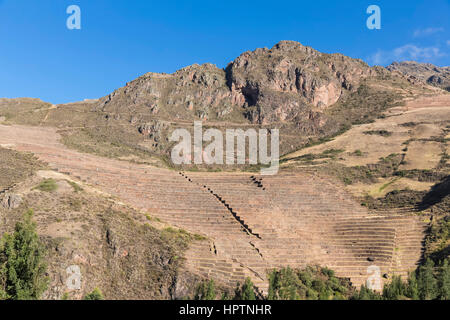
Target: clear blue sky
column 122, row 39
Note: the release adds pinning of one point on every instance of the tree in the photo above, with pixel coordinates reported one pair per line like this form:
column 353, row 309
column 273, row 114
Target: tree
column 206, row 290
column 283, row 285
column 444, row 281
column 412, row 290
column 22, row 266
column 96, row 294
column 246, row 292
column 274, row 285
column 289, row 284
column 366, row 294
column 395, row 290
column 426, row 282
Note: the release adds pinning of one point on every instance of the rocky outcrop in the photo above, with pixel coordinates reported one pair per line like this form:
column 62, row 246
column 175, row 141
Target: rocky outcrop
column 11, row 201
column 291, row 87
column 196, row 91
column 155, row 131
column 262, row 86
column 291, row 78
column 425, row 72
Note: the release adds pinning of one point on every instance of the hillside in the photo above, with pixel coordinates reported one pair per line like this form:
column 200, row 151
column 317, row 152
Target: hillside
column 117, row 248
column 363, row 179
column 294, row 219
column 308, row 95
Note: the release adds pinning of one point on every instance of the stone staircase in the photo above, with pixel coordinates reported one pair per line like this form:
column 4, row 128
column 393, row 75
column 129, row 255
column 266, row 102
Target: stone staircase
column 303, row 219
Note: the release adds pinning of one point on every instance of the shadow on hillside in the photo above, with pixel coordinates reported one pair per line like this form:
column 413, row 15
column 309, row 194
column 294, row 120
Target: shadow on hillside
column 437, row 193
column 440, row 255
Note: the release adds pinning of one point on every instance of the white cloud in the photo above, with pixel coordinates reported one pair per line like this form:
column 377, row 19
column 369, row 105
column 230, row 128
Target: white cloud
column 406, row 52
column 414, row 52
column 448, row 42
column 426, row 32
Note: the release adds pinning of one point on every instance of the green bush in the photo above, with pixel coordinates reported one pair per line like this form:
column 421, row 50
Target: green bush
column 427, row 282
column 383, row 133
column 206, row 290
column 366, row 294
column 444, row 281
column 47, row 185
column 246, row 292
column 75, row 186
column 315, row 283
column 396, row 289
column 22, row 266
column 96, row 294
column 311, row 283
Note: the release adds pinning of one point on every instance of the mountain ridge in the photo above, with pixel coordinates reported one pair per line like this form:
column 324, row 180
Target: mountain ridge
column 306, row 94
column 426, row 72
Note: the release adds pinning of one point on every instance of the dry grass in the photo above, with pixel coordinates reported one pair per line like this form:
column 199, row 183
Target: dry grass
column 371, row 161
column 16, row 167
column 116, row 247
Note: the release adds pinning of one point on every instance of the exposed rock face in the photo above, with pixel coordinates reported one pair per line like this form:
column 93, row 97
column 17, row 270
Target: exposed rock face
column 426, row 72
column 290, row 87
column 155, row 131
column 306, row 94
column 11, row 201
column 263, row 86
column 193, row 92
column 289, row 78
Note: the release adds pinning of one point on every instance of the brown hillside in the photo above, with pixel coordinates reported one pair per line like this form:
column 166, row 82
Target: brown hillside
column 362, row 182
column 252, row 225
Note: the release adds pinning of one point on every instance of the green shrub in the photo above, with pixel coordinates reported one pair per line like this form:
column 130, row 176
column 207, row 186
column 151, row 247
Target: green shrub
column 47, row 185
column 366, row 294
column 347, row 181
column 22, row 266
column 311, row 283
column 315, row 283
column 383, row 133
column 206, row 290
column 75, row 186
column 444, row 281
column 426, row 280
column 412, row 289
column 246, row 292
column 96, row 294
column 396, row 289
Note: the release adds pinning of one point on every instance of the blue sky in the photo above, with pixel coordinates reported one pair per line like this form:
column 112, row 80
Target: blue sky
column 120, row 40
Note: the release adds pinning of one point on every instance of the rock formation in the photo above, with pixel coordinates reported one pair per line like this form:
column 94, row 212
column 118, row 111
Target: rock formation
column 11, row 201
column 426, row 72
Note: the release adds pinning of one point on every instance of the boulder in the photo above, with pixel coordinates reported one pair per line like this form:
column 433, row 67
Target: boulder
column 11, row 201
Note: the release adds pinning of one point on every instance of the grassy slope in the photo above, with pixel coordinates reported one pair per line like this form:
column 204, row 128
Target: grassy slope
column 16, row 167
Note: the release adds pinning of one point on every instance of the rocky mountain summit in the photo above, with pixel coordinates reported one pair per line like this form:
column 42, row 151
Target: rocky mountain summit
column 291, row 78
column 262, row 86
column 426, row 72
column 306, row 94
column 290, row 86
